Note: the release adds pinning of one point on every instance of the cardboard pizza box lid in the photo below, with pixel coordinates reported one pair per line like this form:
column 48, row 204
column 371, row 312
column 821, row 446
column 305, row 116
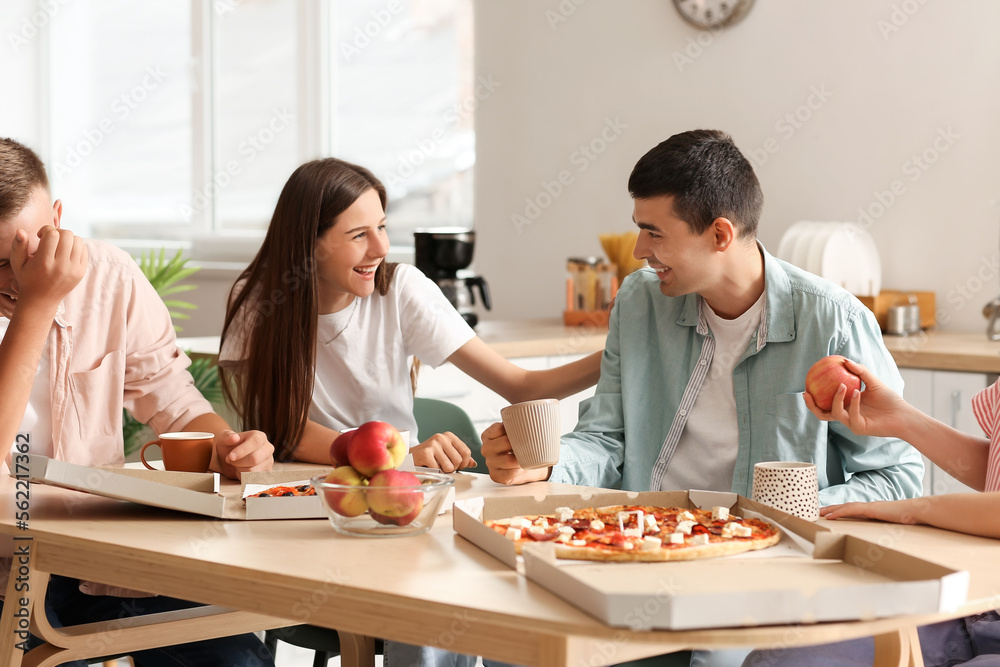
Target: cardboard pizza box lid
column 158, row 488
column 205, row 494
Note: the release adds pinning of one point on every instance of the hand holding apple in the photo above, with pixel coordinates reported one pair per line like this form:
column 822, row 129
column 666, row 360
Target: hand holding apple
column 824, row 379
column 879, row 411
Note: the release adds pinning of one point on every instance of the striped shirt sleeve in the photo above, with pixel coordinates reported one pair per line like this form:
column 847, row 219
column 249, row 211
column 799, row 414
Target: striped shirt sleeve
column 985, row 406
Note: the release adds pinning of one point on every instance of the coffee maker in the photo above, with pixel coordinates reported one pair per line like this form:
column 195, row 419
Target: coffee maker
column 444, row 255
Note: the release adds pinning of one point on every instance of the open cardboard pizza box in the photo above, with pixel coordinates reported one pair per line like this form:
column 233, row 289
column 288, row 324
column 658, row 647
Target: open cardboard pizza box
column 197, row 493
column 834, row 577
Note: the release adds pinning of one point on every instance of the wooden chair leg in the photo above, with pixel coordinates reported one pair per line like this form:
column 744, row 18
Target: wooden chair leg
column 900, row 648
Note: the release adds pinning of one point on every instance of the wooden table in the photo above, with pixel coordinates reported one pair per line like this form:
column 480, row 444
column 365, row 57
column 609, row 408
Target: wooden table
column 433, row 589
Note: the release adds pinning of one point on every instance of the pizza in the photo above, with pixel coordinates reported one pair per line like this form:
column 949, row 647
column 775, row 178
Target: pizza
column 635, row 533
column 279, row 491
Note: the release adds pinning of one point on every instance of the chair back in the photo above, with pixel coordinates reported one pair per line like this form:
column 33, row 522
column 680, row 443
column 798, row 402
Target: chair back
column 436, row 416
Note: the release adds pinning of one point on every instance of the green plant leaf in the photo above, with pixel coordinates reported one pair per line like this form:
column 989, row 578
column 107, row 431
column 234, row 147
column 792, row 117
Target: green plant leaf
column 175, row 289
column 132, row 428
column 163, row 275
column 206, row 379
column 180, row 304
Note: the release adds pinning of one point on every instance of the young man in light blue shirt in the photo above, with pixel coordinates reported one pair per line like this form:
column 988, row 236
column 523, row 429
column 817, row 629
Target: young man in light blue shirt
column 705, row 362
column 708, row 348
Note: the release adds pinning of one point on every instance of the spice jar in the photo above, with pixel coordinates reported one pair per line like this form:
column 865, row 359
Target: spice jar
column 591, row 283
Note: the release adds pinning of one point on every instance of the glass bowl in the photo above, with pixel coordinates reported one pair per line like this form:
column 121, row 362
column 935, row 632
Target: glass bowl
column 342, row 500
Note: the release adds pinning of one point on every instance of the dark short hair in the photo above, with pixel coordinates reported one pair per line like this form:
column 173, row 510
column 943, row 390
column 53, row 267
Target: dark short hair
column 706, row 175
column 21, row 172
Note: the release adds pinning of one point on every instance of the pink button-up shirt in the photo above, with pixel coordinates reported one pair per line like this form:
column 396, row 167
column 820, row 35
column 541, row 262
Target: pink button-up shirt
column 112, row 345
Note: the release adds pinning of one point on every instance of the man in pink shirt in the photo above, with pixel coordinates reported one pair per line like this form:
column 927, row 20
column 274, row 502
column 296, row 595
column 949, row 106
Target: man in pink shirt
column 82, row 335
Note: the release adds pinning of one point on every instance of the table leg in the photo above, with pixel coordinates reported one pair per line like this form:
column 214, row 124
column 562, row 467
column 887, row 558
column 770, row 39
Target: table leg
column 900, row 648
column 356, row 650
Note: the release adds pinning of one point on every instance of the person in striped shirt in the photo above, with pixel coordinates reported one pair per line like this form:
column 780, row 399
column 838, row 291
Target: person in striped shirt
column 973, row 460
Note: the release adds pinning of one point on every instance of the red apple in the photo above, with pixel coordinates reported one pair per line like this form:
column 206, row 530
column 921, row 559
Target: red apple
column 396, row 520
column 346, row 502
column 338, row 450
column 826, row 376
column 395, row 493
column 376, row 446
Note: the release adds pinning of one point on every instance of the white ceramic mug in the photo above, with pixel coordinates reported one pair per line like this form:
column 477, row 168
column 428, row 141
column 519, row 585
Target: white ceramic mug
column 789, row 486
column 533, row 430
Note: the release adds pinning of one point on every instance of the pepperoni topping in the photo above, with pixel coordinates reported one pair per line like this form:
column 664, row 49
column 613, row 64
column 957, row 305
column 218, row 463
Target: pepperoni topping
column 542, row 537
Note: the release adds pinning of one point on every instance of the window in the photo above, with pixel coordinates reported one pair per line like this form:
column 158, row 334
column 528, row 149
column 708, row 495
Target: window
column 404, row 106
column 120, row 112
column 173, row 121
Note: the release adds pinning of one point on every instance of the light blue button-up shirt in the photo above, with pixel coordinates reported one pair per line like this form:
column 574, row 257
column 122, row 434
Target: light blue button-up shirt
column 656, row 357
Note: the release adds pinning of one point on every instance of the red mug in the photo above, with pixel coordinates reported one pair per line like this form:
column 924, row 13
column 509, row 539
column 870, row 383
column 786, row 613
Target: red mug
column 183, row 451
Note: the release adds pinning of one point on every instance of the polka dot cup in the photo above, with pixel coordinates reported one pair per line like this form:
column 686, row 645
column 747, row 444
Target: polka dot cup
column 788, row 486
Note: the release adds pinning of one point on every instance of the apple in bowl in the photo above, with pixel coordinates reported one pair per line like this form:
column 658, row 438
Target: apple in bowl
column 338, row 449
column 824, row 379
column 375, row 446
column 404, row 520
column 395, row 494
column 345, row 492
column 399, row 503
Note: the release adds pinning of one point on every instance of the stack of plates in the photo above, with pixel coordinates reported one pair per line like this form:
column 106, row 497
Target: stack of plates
column 841, row 252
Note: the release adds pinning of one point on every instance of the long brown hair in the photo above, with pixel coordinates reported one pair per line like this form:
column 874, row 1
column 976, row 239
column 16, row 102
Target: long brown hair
column 274, row 302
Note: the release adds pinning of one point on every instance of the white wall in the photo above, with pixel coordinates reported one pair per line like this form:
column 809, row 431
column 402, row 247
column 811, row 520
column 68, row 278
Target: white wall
column 22, row 40
column 886, row 94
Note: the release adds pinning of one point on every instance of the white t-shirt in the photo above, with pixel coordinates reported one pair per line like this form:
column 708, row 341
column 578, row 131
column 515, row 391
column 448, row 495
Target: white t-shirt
column 706, row 452
column 37, row 420
column 363, row 352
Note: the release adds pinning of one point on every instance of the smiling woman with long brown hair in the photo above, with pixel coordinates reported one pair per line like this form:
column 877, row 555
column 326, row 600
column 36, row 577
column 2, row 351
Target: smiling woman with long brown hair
column 320, row 331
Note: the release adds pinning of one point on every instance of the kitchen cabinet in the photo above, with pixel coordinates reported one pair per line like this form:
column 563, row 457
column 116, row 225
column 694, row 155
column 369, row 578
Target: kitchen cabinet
column 946, row 396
